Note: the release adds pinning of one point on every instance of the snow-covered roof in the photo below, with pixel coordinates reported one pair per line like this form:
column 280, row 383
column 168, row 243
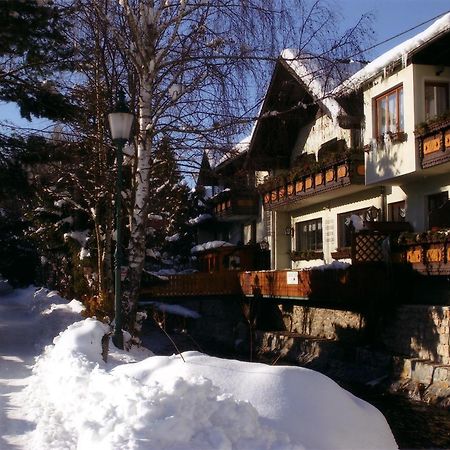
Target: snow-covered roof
column 209, row 246
column 237, row 150
column 396, row 54
column 199, row 219
column 314, row 76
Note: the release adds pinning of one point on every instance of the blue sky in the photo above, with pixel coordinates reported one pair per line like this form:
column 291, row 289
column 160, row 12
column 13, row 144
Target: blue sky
column 390, row 17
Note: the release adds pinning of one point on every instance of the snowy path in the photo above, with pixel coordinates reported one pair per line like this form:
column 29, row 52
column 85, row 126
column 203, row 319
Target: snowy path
column 17, row 350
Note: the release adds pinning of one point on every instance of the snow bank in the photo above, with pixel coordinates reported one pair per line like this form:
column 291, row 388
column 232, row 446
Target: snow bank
column 133, row 401
column 48, row 312
column 80, row 402
column 305, row 406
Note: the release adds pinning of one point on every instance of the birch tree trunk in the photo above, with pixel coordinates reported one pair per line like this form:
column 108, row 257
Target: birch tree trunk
column 136, row 247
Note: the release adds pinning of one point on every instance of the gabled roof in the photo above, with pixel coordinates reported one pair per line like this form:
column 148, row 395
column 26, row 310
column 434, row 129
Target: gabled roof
column 238, row 150
column 396, row 55
column 206, row 175
column 300, row 85
column 316, row 77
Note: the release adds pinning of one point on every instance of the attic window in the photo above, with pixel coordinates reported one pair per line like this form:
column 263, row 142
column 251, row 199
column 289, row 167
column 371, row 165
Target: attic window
column 389, row 112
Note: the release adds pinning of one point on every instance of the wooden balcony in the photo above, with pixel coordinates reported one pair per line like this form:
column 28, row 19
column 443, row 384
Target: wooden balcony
column 278, row 192
column 235, row 205
column 433, row 142
column 243, row 257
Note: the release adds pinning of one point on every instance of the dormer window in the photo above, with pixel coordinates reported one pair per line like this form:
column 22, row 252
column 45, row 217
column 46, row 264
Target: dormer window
column 389, row 112
column 436, row 99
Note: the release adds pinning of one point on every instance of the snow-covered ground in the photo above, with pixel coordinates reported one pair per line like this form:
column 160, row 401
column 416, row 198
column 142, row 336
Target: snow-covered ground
column 73, row 399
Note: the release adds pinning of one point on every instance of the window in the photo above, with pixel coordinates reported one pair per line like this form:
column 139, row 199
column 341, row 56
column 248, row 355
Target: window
column 435, row 201
column 309, row 235
column 397, row 211
column 389, row 112
column 344, row 230
column 436, row 99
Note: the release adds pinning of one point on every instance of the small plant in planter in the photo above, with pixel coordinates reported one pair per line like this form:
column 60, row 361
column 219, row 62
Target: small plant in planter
column 421, row 128
column 272, row 183
column 305, row 255
column 397, row 137
column 342, row 253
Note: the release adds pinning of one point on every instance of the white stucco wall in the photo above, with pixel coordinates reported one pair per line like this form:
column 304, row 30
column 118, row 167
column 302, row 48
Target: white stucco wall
column 316, row 133
column 385, row 162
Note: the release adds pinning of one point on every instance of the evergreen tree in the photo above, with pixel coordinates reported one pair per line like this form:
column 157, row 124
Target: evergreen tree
column 170, row 240
column 33, row 47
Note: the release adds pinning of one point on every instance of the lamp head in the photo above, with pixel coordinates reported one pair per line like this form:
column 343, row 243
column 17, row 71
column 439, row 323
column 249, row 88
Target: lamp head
column 120, row 120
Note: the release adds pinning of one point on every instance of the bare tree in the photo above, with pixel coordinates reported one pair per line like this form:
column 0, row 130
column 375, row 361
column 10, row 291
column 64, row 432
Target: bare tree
column 194, row 71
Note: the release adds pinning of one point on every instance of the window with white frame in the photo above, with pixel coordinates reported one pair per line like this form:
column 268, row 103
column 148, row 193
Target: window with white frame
column 388, row 109
column 436, row 99
column 309, row 235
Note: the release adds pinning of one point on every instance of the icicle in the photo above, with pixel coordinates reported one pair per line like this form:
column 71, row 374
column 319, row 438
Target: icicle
column 404, row 59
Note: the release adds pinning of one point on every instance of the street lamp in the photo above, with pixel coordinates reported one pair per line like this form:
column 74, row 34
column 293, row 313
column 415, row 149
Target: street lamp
column 120, row 122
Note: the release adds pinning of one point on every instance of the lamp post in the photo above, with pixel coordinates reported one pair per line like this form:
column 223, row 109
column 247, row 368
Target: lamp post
column 120, row 121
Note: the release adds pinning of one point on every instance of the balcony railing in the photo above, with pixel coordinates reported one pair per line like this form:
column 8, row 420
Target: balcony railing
column 433, row 141
column 234, row 204
column 280, row 191
column 428, row 253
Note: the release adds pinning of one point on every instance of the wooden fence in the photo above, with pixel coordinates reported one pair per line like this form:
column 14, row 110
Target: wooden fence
column 296, row 284
column 195, row 284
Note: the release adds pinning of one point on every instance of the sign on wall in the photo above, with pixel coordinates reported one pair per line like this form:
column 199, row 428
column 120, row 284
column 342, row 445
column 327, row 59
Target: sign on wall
column 291, row 277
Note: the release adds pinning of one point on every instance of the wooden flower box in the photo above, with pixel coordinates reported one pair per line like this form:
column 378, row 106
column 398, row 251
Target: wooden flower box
column 290, row 189
column 342, row 171
column 318, row 179
column 329, row 175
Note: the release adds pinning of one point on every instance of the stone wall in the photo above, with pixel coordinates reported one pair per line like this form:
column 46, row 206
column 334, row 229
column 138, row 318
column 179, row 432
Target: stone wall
column 412, row 331
column 322, row 322
column 419, row 331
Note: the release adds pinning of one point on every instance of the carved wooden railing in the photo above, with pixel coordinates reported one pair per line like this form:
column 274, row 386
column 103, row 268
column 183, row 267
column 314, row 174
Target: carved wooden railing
column 234, row 203
column 427, row 253
column 279, row 191
column 433, row 142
